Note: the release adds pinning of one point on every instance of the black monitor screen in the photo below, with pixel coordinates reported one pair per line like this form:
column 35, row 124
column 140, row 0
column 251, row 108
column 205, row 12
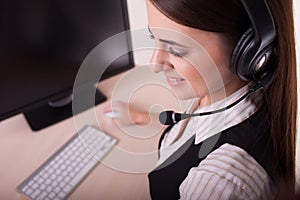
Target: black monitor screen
column 44, row 42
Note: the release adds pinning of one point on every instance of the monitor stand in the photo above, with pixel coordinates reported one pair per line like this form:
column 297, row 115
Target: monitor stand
column 55, row 111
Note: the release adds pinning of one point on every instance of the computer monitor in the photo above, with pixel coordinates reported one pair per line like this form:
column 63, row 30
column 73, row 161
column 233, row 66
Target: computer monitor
column 42, row 45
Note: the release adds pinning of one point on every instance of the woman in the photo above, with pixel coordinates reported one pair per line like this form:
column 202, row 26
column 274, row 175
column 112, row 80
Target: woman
column 254, row 149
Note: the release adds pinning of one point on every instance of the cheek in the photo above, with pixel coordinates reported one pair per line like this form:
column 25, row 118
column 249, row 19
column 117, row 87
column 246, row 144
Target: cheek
column 193, row 76
column 222, row 62
column 221, row 57
column 209, row 75
column 186, row 70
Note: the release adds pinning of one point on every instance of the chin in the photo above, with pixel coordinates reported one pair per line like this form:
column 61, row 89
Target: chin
column 184, row 93
column 184, row 96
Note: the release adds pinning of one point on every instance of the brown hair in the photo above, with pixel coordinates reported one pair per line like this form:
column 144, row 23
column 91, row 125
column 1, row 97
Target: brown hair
column 230, row 18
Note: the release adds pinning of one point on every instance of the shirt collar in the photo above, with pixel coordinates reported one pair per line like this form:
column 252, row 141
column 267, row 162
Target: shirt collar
column 206, row 126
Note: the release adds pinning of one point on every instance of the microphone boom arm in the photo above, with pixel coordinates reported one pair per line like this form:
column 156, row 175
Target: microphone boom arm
column 170, row 117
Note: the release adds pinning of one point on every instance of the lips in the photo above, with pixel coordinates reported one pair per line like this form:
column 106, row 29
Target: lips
column 175, row 81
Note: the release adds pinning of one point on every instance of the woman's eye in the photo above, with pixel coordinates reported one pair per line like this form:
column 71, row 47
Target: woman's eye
column 177, row 53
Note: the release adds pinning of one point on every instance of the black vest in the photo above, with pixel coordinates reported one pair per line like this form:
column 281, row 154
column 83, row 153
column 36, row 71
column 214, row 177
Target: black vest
column 252, row 135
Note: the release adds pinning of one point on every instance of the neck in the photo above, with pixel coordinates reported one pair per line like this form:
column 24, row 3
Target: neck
column 222, row 93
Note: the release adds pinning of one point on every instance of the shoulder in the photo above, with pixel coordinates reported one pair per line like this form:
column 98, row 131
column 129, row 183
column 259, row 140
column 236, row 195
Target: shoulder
column 229, row 172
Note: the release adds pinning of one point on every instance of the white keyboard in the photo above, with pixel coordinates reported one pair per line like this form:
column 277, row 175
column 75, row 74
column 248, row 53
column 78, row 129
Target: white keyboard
column 64, row 170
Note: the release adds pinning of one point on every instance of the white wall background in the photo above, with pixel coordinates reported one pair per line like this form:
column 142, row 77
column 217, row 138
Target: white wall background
column 138, row 19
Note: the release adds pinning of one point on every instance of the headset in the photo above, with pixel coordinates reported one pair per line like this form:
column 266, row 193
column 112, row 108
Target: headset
column 254, row 55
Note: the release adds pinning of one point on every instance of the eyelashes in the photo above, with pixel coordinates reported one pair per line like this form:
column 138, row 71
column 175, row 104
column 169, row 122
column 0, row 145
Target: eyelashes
column 177, row 53
column 175, row 50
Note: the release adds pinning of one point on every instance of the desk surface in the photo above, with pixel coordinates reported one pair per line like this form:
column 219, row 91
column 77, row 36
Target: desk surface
column 122, row 175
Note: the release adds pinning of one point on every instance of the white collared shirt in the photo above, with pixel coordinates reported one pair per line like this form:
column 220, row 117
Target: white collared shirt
column 229, row 172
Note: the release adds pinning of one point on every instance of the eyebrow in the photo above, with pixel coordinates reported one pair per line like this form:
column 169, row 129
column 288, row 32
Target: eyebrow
column 171, row 42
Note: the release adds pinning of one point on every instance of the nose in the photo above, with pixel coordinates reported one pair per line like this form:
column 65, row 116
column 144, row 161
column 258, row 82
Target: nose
column 159, row 61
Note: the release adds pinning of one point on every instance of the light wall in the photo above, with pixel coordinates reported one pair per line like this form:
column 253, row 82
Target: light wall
column 138, row 20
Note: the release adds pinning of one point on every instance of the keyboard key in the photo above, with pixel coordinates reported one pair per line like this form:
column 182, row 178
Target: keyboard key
column 61, row 195
column 67, row 189
column 82, row 173
column 43, row 195
column 49, row 189
column 48, row 181
column 35, row 193
column 35, row 186
column 62, row 184
column 51, row 195
column 56, row 190
column 43, row 187
column 29, row 191
column 25, row 188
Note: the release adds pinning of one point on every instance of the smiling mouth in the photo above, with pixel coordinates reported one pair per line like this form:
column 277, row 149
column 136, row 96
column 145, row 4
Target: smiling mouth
column 175, row 81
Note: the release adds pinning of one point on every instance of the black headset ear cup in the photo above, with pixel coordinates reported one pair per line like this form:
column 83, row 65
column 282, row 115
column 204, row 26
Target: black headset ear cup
column 240, row 49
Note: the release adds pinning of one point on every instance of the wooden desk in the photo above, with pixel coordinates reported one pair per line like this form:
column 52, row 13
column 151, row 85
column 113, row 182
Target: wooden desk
column 122, row 175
